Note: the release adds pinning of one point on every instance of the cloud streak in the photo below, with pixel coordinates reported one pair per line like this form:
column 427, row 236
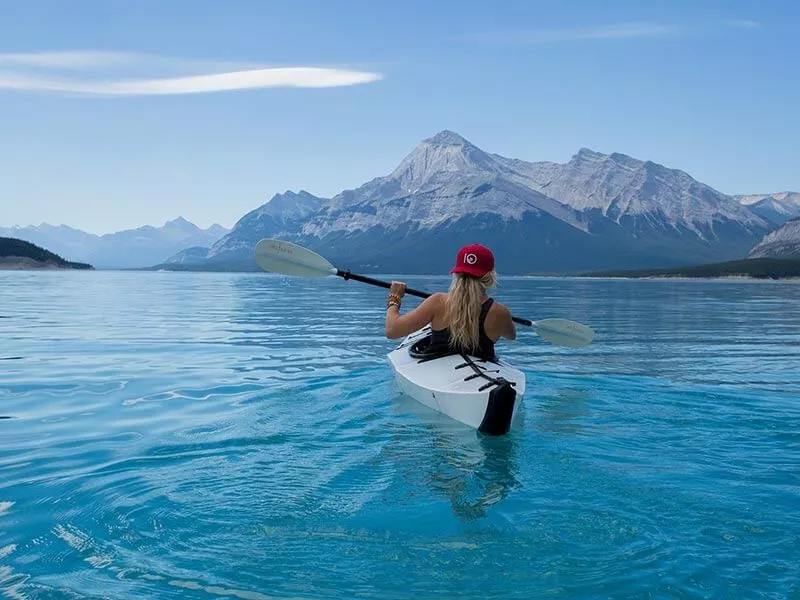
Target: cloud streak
column 743, row 24
column 104, row 74
column 618, row 31
column 67, row 60
column 612, row 32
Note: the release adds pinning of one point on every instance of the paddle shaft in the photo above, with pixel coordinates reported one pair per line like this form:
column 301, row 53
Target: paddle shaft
column 411, row 292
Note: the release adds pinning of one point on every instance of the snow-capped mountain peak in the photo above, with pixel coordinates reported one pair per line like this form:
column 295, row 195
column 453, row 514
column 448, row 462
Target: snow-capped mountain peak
column 439, row 157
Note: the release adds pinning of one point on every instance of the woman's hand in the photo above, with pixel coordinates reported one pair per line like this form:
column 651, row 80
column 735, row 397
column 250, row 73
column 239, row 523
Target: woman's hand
column 398, row 289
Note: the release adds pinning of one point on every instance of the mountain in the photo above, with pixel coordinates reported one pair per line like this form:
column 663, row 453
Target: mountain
column 662, row 215
column 132, row 248
column 777, row 208
column 148, row 245
column 283, row 215
column 784, row 242
column 595, row 211
column 19, row 254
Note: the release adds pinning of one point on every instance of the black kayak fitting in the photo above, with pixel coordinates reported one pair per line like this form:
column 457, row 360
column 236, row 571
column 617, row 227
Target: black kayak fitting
column 499, row 410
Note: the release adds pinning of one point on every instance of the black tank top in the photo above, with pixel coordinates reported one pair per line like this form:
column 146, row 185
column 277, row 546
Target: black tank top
column 440, row 338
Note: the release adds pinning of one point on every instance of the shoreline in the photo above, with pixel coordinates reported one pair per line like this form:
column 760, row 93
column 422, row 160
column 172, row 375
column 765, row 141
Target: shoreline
column 23, row 263
column 731, row 278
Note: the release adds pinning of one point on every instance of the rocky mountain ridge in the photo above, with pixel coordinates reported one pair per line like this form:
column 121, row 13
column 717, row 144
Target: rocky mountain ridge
column 595, row 211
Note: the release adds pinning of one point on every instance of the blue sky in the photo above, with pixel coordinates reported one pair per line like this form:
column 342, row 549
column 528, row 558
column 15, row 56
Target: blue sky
column 109, row 118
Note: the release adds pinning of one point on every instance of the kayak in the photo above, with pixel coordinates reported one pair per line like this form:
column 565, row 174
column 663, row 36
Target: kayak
column 482, row 394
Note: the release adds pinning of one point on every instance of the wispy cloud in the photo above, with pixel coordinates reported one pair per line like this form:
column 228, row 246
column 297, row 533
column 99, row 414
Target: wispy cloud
column 743, row 24
column 67, row 60
column 110, row 74
column 618, row 31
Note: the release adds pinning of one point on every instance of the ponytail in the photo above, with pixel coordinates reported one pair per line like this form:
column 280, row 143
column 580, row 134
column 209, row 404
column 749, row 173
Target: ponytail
column 463, row 308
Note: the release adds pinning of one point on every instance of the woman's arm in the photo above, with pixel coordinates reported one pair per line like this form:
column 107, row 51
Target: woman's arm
column 509, row 329
column 400, row 326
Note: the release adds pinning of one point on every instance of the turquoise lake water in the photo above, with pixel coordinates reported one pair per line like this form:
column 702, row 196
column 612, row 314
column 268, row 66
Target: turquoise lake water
column 179, row 435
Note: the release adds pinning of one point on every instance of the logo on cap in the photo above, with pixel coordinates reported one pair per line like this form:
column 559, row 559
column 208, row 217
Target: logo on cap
column 474, row 260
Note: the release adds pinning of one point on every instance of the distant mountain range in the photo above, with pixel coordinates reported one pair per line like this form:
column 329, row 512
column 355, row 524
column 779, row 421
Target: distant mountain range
column 594, row 212
column 777, row 208
column 597, row 211
column 132, row 248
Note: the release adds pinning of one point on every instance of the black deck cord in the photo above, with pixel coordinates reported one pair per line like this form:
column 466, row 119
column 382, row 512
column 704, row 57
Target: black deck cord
column 480, row 373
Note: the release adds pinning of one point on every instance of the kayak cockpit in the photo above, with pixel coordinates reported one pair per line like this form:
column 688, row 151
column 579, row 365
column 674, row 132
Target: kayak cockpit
column 422, row 349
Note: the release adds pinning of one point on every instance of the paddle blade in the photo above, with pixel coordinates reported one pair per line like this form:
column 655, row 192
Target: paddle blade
column 564, row 333
column 277, row 256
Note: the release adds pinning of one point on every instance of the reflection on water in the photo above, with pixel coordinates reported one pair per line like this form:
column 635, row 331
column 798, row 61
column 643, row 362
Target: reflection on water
column 473, row 471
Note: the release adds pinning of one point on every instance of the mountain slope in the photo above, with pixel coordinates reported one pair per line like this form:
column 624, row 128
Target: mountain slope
column 784, row 242
column 19, row 254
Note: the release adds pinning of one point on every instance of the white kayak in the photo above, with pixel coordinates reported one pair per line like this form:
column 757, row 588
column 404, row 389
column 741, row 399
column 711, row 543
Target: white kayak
column 484, row 395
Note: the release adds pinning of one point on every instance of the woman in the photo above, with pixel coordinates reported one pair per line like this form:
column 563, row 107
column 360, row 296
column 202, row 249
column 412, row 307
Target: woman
column 463, row 320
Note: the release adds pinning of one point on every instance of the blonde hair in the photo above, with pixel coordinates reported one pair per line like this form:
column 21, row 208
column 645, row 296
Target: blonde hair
column 463, row 309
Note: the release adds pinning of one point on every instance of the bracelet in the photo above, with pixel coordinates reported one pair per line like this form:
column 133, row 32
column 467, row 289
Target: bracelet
column 392, row 303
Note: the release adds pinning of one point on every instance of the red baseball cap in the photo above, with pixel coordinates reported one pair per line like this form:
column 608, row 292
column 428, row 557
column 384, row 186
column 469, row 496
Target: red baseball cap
column 475, row 260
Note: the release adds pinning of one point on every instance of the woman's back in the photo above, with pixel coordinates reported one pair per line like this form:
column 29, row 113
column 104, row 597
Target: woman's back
column 442, row 340
column 494, row 322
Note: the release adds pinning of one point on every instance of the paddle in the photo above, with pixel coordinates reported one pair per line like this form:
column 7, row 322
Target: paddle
column 278, row 256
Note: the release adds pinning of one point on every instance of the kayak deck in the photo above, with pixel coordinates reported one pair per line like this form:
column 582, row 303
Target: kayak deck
column 482, row 394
